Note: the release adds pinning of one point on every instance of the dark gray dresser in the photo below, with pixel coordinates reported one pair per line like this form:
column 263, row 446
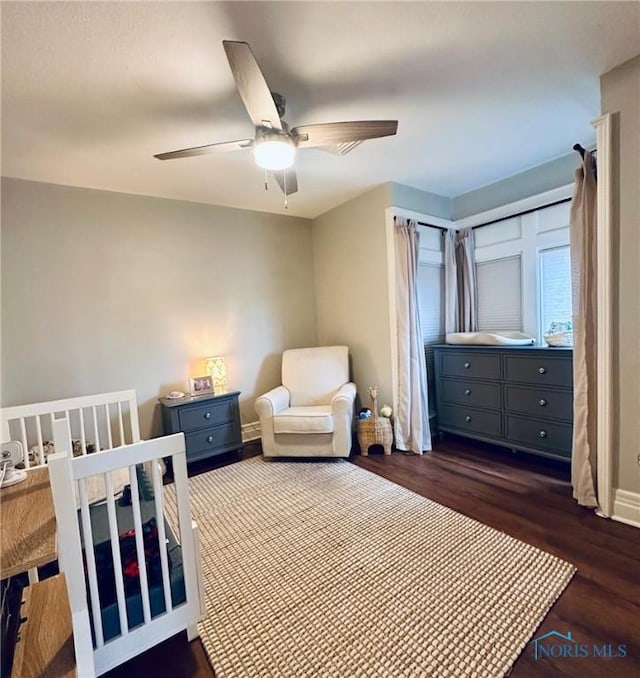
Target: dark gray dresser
column 520, row 397
column 210, row 423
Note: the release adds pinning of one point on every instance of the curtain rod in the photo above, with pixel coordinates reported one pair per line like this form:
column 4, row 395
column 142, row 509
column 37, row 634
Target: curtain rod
column 442, row 228
column 519, row 214
column 511, row 216
column 424, row 223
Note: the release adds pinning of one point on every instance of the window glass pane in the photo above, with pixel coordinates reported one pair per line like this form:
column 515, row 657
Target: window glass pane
column 555, row 287
column 499, row 294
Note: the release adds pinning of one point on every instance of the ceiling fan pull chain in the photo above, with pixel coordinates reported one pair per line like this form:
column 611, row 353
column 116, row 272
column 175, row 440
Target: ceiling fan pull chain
column 266, row 181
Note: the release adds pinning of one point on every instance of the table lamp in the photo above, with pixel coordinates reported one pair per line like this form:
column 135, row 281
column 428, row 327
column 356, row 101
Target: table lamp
column 217, row 369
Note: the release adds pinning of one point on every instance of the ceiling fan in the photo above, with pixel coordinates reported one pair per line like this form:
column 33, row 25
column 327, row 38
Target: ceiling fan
column 275, row 145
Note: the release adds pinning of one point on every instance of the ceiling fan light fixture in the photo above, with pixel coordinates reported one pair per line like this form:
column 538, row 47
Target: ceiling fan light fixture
column 274, row 152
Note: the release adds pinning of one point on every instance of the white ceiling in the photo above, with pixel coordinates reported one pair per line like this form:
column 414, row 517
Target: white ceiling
column 91, row 90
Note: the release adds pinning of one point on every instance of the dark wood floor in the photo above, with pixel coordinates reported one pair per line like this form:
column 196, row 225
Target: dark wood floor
column 530, row 499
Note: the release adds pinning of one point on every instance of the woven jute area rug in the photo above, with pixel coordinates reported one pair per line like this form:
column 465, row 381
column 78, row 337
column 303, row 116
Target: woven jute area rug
column 324, row 569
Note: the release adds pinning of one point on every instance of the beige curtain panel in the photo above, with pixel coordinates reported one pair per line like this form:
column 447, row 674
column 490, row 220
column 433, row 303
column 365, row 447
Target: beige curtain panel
column 461, row 288
column 583, row 290
column 411, row 423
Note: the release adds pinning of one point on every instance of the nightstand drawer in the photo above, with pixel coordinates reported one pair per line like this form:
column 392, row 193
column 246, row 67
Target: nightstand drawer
column 540, row 371
column 539, row 402
column 541, row 435
column 211, row 424
column 208, row 441
column 467, row 419
column 210, row 414
column 470, row 364
column 472, row 393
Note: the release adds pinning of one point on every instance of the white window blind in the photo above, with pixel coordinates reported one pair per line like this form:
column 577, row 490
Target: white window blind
column 431, row 302
column 500, row 294
column 555, row 286
column 431, row 298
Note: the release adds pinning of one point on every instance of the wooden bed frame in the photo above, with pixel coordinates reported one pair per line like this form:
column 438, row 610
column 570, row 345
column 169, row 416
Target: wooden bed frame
column 109, row 421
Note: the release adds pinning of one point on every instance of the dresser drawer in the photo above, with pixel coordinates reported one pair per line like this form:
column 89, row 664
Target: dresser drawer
column 541, row 435
column 468, row 419
column 208, row 441
column 209, row 414
column 539, row 402
column 540, row 371
column 471, row 393
column 470, row 364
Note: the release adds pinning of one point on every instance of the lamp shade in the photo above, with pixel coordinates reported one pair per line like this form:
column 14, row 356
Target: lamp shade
column 217, row 368
column 275, row 152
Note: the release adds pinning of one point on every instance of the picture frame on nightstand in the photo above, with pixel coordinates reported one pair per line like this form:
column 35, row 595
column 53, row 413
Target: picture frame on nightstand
column 201, row 385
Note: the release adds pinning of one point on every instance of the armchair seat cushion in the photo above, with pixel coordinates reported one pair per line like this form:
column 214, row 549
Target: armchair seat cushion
column 311, row 419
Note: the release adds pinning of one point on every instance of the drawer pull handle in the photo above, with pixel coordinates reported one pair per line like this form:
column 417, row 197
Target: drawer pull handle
column 542, row 402
column 467, row 391
column 209, row 439
column 467, row 418
column 467, row 366
column 543, row 434
column 542, row 370
column 207, row 415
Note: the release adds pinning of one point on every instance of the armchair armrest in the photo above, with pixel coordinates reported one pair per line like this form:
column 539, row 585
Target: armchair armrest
column 269, row 404
column 342, row 401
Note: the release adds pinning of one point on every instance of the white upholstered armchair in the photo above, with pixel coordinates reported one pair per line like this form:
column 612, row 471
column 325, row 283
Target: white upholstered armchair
column 311, row 414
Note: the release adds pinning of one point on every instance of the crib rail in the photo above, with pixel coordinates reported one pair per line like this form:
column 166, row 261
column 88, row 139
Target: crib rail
column 68, row 474
column 97, row 422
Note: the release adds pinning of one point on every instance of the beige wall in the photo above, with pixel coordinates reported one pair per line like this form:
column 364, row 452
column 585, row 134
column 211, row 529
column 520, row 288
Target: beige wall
column 104, row 291
column 620, row 90
column 350, row 266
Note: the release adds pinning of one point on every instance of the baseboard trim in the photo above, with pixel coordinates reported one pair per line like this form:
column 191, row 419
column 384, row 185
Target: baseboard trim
column 626, row 507
column 250, row 431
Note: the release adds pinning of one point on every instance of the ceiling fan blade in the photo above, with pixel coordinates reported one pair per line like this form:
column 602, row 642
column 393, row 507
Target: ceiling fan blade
column 339, row 133
column 252, row 86
column 287, row 180
column 210, row 148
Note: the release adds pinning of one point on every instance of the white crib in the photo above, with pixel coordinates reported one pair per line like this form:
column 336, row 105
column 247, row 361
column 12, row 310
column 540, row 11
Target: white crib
column 85, row 492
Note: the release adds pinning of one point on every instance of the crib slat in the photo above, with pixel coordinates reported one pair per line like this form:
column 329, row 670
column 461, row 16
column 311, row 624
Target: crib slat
column 87, row 535
column 40, row 441
column 120, row 423
column 115, row 553
column 142, row 565
column 108, row 423
column 162, row 537
column 63, row 489
column 25, row 445
column 83, row 436
column 95, row 428
column 184, row 520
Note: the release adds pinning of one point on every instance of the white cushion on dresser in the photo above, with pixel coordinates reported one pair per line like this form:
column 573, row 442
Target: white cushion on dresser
column 312, row 419
column 490, row 338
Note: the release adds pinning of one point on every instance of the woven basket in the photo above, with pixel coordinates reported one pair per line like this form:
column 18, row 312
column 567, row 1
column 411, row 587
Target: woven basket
column 559, row 339
column 374, row 431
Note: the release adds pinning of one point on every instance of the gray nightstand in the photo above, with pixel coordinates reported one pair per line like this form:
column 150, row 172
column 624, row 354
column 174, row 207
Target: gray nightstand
column 210, row 423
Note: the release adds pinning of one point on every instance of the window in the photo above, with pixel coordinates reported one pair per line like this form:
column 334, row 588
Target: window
column 431, row 300
column 555, row 286
column 499, row 294
column 523, row 271
column 431, row 297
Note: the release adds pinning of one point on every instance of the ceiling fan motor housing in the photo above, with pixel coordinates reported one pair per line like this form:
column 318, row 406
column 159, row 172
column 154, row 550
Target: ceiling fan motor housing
column 280, row 102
